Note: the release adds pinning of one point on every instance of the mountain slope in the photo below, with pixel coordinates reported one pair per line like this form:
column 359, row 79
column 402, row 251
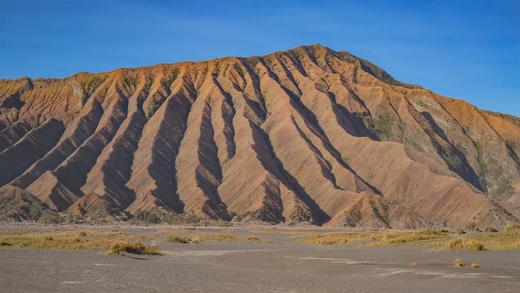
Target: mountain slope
column 305, row 135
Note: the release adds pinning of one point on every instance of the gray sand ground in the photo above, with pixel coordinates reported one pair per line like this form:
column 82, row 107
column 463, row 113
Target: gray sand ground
column 278, row 264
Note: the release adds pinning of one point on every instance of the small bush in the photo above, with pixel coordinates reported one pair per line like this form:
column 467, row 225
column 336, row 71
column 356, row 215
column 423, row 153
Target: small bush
column 148, row 217
column 299, row 216
column 464, row 244
column 137, row 247
column 181, row 219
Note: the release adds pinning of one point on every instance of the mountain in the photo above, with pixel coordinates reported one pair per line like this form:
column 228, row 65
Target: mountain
column 309, row 135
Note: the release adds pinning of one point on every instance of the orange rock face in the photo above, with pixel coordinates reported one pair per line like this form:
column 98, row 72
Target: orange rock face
column 305, row 135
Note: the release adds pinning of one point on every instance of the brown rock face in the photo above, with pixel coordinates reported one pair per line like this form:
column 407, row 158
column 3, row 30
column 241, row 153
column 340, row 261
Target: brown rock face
column 305, row 135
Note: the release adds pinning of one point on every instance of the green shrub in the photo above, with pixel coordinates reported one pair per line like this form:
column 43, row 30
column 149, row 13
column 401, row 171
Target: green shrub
column 300, row 215
column 148, row 217
column 181, row 219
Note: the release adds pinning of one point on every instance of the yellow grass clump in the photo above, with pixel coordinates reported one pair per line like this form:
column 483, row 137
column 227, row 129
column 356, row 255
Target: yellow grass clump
column 215, row 237
column 333, row 238
column 464, row 244
column 252, row 238
column 512, row 227
column 135, row 247
column 420, row 237
column 200, row 237
column 458, row 263
column 378, row 238
column 67, row 240
column 507, row 239
column 179, row 239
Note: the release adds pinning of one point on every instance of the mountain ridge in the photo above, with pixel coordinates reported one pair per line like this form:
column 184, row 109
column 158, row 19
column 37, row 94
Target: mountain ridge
column 303, row 135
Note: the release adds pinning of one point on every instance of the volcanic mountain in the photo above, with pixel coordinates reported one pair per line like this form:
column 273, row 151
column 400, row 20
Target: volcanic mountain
column 307, row 135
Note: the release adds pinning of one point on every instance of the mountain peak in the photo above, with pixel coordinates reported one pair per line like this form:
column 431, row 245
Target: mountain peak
column 304, row 135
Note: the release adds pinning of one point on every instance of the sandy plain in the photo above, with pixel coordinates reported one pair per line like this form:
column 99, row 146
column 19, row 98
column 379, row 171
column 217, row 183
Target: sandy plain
column 278, row 262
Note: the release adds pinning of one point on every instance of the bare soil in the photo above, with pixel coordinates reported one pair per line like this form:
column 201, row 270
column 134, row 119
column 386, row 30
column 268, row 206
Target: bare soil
column 276, row 263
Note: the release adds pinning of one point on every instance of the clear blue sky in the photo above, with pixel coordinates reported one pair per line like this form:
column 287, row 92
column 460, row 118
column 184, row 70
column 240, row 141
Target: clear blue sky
column 464, row 49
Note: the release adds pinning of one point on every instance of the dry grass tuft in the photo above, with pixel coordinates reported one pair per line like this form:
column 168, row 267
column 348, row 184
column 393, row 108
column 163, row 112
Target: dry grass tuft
column 512, row 227
column 508, row 239
column 135, row 247
column 201, row 237
column 464, row 244
column 253, row 238
column 458, row 263
column 179, row 239
column 475, row 265
column 332, row 238
column 216, row 237
column 420, row 237
column 379, row 238
column 67, row 240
